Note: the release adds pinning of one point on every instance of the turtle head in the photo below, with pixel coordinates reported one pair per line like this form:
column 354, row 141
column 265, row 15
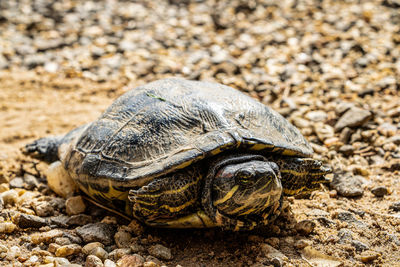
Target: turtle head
column 302, row 175
column 243, row 193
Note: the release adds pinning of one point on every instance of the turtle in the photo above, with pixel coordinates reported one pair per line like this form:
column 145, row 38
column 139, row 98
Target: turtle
column 188, row 154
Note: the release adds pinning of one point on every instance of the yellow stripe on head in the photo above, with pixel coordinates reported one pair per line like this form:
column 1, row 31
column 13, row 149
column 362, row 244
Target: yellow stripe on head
column 227, row 196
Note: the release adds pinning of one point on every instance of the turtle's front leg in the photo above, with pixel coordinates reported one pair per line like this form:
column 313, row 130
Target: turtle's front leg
column 167, row 198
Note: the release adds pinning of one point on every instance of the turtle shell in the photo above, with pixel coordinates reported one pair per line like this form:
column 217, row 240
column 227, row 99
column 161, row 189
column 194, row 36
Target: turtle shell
column 169, row 124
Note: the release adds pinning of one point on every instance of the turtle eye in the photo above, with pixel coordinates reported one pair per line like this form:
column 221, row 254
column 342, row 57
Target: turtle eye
column 243, row 177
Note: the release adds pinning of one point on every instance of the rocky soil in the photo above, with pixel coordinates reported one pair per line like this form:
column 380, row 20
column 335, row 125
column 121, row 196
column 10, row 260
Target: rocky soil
column 332, row 68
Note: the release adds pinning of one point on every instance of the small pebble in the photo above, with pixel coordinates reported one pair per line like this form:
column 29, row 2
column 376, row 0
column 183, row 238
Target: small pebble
column 45, row 237
column 79, row 220
column 96, row 232
column 305, row 227
column 369, row 256
column 345, row 236
column 53, row 247
column 4, row 187
column 87, row 249
column 59, row 180
column 17, row 182
column 29, row 221
column 75, row 205
column 379, row 191
column 13, row 253
column 134, row 260
column 62, row 241
column 10, row 197
column 346, row 150
column 122, row 238
column 159, row 251
column 395, row 206
column 272, row 253
column 348, row 185
column 109, row 263
column 68, row 250
column 150, row 264
column 116, row 254
column 42, row 208
column 352, row 118
column 302, row 243
column 7, row 227
column 99, row 252
column 136, row 227
column 359, row 246
column 93, row 261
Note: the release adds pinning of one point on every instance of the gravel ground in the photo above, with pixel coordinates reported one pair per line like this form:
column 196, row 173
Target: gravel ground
column 332, row 68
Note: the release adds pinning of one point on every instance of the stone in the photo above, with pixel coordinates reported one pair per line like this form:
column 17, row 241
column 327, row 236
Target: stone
column 302, row 243
column 29, row 221
column 60, row 221
column 305, row 227
column 45, row 237
column 135, row 247
column 57, row 261
column 122, row 239
column 342, row 107
column 42, row 208
column 395, row 206
column 96, row 232
column 324, row 131
column 17, row 182
column 380, row 191
column 100, row 252
column 346, row 216
column 32, row 261
column 30, row 181
column 78, row 220
column 109, row 263
column 369, row 256
column 10, row 197
column 93, row 261
column 53, row 247
column 348, row 185
column 394, row 139
column 387, row 129
column 359, row 246
column 150, row 264
column 346, row 150
column 352, row 118
column 3, row 251
column 87, row 249
column 159, row 251
column 136, row 228
column 345, row 236
column 7, row 227
column 60, row 181
column 75, row 205
column 134, row 260
column 62, row 241
column 271, row 253
column 68, row 250
column 118, row 253
column 345, row 135
column 4, row 187
column 13, row 253
column 317, row 115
